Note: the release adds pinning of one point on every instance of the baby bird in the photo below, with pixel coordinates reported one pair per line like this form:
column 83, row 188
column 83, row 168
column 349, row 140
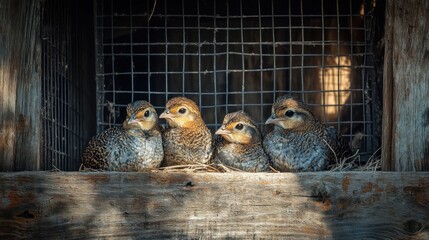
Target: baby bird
column 299, row 142
column 239, row 144
column 135, row 146
column 186, row 140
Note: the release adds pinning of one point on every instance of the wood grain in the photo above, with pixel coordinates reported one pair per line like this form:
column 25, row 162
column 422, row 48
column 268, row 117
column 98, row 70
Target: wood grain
column 20, row 84
column 324, row 205
column 386, row 143
column 406, row 86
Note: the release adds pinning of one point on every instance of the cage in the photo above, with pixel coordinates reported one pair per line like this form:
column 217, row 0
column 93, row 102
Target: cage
column 225, row 55
column 67, row 69
column 240, row 55
column 68, row 87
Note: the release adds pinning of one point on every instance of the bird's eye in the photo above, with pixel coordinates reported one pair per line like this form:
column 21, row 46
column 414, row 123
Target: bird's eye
column 147, row 113
column 289, row 113
column 239, row 126
column 182, row 110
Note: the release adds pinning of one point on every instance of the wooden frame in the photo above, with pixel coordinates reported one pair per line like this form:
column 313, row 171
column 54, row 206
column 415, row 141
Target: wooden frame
column 353, row 205
column 405, row 142
column 348, row 205
column 20, row 85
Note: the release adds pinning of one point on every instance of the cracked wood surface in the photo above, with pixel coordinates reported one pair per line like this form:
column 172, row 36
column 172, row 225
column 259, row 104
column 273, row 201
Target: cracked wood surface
column 327, row 205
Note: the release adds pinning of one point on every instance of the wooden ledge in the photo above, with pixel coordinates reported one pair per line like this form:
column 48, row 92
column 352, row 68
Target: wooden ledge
column 340, row 205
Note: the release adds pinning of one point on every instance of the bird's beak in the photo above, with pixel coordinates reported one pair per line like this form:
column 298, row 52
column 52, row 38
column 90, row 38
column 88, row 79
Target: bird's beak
column 132, row 120
column 166, row 114
column 272, row 119
column 222, row 131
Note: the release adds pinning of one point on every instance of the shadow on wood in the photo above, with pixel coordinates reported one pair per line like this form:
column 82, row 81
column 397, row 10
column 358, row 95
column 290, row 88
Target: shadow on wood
column 353, row 205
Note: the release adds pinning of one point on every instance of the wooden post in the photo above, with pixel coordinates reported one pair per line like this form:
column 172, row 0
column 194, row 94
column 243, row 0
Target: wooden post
column 318, row 205
column 405, row 142
column 20, row 84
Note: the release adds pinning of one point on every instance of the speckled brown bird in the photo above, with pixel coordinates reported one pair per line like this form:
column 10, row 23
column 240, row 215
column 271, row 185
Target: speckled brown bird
column 186, row 139
column 239, row 144
column 299, row 142
column 134, row 146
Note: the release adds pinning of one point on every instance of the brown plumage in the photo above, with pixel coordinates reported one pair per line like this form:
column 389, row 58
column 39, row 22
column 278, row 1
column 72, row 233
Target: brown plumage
column 299, row 142
column 186, row 140
column 134, row 146
column 239, row 144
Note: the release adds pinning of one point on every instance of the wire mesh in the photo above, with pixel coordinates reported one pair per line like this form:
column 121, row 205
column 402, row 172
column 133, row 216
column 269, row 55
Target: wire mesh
column 238, row 55
column 63, row 89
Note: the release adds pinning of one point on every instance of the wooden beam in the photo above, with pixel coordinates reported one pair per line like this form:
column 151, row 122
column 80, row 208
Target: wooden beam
column 387, row 119
column 347, row 205
column 20, row 84
column 405, row 144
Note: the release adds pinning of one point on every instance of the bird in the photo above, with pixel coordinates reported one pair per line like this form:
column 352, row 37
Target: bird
column 239, row 144
column 298, row 141
column 186, row 138
column 134, row 146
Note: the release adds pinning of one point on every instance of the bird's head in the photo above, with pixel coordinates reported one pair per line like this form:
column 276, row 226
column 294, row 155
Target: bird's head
column 292, row 114
column 181, row 112
column 141, row 115
column 238, row 127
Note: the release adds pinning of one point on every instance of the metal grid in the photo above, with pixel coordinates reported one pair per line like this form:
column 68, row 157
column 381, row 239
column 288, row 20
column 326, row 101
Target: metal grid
column 236, row 54
column 63, row 90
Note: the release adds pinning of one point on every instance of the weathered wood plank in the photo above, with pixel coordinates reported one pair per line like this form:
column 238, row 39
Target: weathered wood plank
column 20, row 84
column 349, row 205
column 406, row 87
column 7, row 89
column 386, row 143
column 29, row 87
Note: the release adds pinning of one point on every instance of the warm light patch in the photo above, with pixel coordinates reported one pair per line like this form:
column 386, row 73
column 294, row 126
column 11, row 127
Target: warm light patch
column 336, row 82
column 362, row 9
